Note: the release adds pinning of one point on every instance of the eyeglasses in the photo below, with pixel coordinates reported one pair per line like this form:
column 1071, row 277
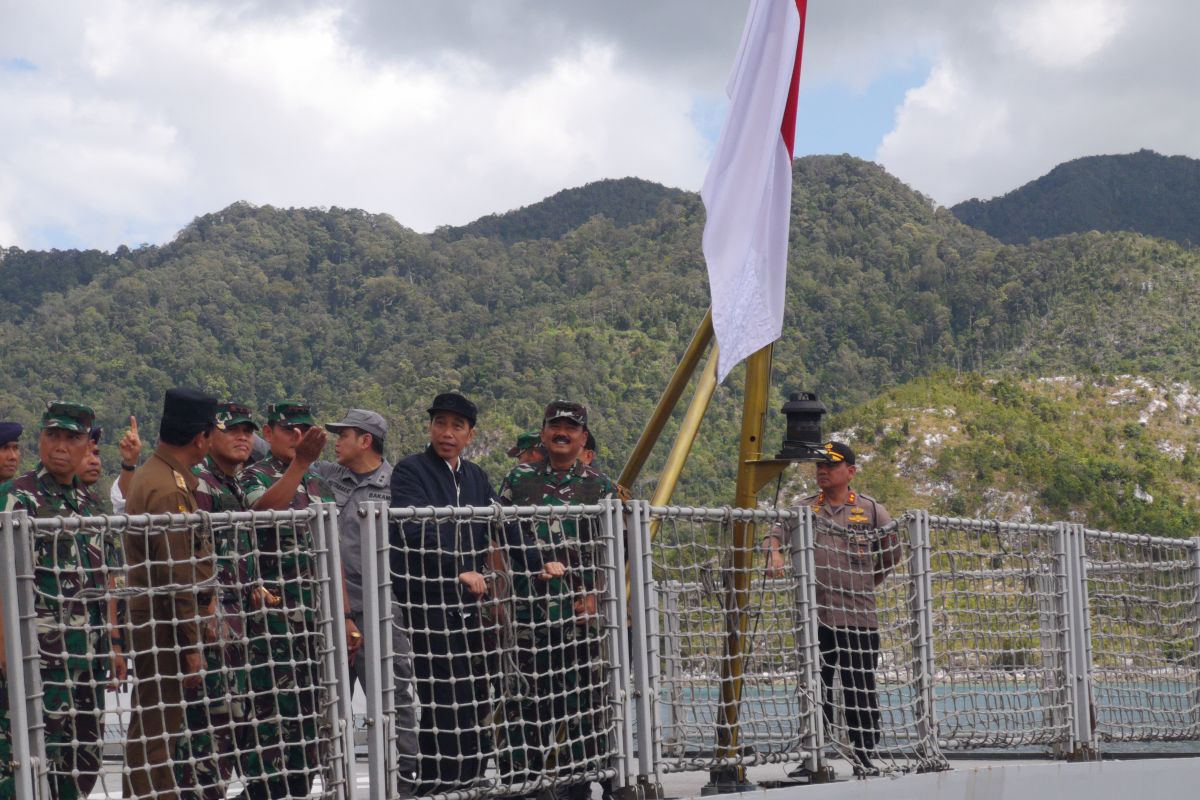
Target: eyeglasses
column 303, row 427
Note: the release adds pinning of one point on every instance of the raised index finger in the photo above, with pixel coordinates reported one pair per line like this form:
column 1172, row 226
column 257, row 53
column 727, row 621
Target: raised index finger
column 133, row 424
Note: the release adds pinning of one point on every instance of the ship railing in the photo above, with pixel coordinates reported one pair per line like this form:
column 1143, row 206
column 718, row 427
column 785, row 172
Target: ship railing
column 880, row 650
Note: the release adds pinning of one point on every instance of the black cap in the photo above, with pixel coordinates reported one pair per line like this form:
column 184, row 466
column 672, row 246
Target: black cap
column 10, row 432
column 455, row 403
column 95, row 434
column 188, row 411
column 591, row 442
column 838, row 453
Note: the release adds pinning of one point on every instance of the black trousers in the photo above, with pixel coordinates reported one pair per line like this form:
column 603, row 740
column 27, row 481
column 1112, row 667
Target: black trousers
column 452, row 686
column 854, row 654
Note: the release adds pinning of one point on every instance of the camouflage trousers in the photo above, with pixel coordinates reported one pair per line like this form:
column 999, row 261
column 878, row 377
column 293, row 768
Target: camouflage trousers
column 207, row 753
column 72, row 709
column 283, row 729
column 555, row 717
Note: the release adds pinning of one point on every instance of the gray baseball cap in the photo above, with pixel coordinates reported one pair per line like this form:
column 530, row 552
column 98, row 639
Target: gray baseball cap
column 364, row 420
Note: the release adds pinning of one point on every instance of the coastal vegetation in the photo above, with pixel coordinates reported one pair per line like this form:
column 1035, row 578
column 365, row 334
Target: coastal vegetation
column 894, row 307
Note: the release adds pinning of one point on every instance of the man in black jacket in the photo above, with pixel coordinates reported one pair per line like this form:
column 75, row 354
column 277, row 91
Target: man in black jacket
column 439, row 581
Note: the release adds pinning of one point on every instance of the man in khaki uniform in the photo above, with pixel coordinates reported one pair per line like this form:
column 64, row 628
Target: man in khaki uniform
column 166, row 625
column 850, row 560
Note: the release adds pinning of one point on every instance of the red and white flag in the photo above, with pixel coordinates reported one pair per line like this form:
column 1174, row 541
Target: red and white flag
column 748, row 189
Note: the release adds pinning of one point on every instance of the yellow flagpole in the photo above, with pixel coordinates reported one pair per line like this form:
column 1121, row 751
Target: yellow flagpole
column 668, row 401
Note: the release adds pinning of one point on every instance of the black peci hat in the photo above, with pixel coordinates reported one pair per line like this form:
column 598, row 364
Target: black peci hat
column 456, row 404
column 188, row 411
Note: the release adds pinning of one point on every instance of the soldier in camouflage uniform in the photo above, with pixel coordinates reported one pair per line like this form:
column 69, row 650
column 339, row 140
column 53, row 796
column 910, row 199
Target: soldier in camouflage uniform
column 558, row 723
column 217, row 716
column 10, row 454
column 284, row 654
column 10, row 460
column 75, row 649
column 528, row 448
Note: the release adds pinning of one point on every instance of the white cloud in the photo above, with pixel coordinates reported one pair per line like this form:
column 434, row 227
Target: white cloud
column 140, row 116
column 120, row 121
column 1030, row 85
column 1062, row 33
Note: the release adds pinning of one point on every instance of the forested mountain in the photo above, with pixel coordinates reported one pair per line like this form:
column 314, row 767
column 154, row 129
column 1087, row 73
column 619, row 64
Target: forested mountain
column 625, row 201
column 347, row 308
column 1143, row 192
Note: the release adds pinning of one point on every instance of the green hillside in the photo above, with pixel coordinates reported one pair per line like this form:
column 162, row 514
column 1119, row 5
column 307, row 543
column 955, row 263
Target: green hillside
column 347, row 308
column 1143, row 192
column 1120, row 453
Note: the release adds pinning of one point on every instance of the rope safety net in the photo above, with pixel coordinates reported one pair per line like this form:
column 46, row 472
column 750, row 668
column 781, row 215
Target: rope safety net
column 1144, row 607
column 224, row 624
column 999, row 627
column 828, row 644
column 514, row 670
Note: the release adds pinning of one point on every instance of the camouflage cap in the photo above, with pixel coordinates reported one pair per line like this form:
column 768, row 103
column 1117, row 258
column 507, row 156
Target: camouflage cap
column 524, row 442
column 69, row 416
column 564, row 409
column 230, row 414
column 290, row 412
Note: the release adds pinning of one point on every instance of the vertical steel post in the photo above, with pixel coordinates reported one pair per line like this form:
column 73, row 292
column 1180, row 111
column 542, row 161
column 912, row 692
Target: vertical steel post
column 32, row 662
column 1083, row 652
column 376, row 633
column 921, row 611
column 333, row 608
column 1081, row 744
column 805, row 570
column 615, row 612
column 15, row 652
column 1195, row 554
column 1064, row 572
column 644, row 614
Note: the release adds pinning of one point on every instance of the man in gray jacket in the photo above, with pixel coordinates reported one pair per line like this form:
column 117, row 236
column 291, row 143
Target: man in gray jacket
column 362, row 475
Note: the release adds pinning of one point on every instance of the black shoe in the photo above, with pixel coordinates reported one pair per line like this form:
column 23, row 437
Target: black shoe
column 863, row 768
column 800, row 773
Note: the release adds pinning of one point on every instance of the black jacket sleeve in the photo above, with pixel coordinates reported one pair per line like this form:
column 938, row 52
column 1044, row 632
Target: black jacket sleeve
column 431, row 543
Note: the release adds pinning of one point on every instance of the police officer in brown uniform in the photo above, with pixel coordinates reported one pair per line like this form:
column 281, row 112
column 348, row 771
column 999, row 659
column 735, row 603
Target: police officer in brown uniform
column 166, row 624
column 850, row 562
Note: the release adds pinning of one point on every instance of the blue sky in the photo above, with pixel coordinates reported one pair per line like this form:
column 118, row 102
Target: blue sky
column 833, row 118
column 121, row 122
